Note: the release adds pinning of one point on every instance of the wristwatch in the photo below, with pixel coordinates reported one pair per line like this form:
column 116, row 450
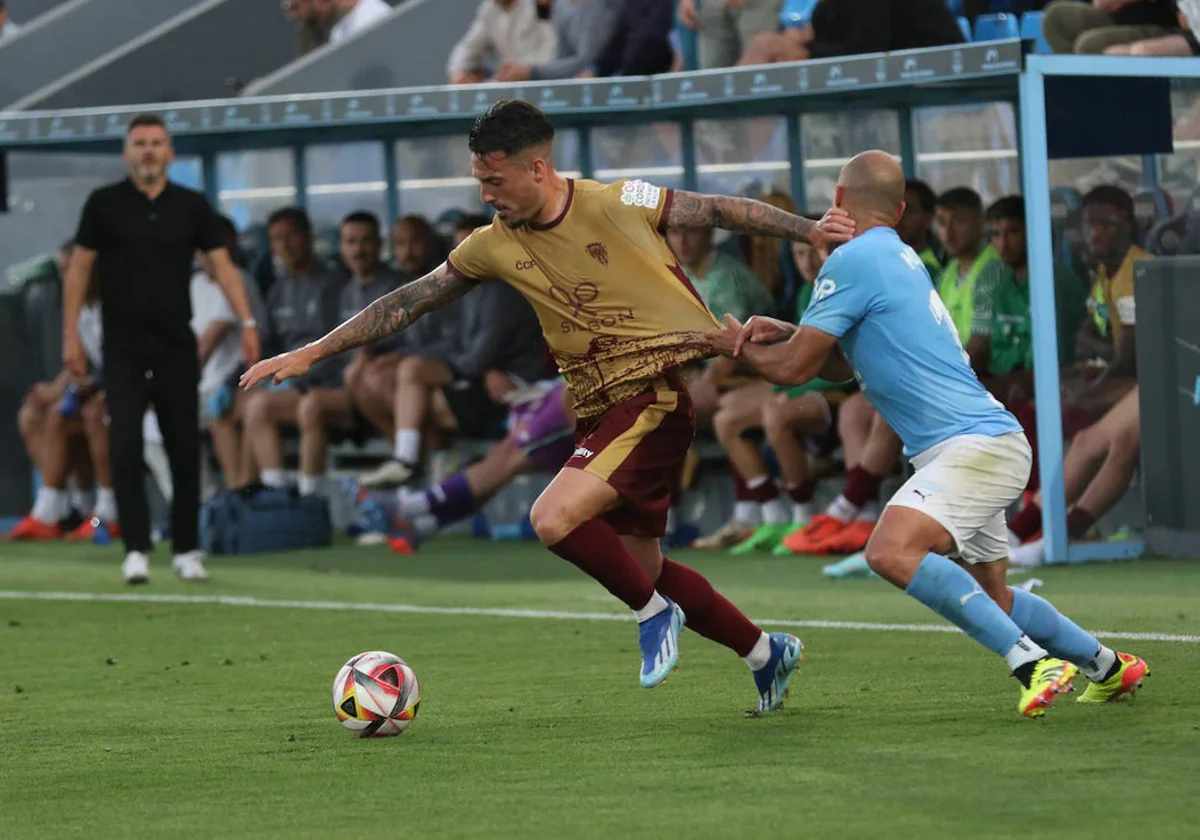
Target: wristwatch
column 249, row 324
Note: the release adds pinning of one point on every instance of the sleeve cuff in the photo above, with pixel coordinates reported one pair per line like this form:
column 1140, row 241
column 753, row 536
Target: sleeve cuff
column 665, row 215
column 458, row 272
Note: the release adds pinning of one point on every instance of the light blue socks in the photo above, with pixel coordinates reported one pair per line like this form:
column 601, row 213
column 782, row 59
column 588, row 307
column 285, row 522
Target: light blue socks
column 951, row 592
column 1059, row 634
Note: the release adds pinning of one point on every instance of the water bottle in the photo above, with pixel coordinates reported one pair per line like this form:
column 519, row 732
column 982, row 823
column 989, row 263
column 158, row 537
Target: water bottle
column 70, row 401
column 100, row 532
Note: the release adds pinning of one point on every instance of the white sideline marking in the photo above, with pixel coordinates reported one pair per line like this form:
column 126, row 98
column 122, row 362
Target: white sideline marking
column 502, row 612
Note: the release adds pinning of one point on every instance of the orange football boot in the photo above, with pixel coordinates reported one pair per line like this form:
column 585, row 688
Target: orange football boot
column 849, row 540
column 34, row 530
column 86, row 532
column 819, row 529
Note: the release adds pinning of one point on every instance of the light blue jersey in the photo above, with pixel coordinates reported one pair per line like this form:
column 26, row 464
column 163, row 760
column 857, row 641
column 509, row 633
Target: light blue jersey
column 873, row 294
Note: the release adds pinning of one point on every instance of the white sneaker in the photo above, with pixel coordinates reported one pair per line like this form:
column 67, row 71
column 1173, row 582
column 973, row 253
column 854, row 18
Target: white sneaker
column 1029, row 556
column 190, row 566
column 136, row 568
column 388, row 474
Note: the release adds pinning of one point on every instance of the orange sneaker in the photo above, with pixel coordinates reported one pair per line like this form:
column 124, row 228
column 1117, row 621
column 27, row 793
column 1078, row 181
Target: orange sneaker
column 35, row 530
column 401, row 545
column 849, row 540
column 819, row 529
column 86, row 532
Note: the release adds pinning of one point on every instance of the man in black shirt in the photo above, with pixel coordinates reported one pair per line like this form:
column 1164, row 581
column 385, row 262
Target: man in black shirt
column 140, row 235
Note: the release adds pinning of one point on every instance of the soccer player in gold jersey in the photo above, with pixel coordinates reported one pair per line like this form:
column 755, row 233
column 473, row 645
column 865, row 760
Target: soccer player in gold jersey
column 620, row 316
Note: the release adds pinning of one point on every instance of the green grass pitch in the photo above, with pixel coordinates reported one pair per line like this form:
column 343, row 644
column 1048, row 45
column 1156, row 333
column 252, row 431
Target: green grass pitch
column 142, row 719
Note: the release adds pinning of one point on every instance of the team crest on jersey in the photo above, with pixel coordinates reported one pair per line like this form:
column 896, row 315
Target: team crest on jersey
column 598, row 252
column 640, row 194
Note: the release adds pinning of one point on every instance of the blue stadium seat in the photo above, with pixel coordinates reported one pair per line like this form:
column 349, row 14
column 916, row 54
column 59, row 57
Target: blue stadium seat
column 965, row 26
column 996, row 27
column 796, row 13
column 1151, row 206
column 1165, row 238
column 1031, row 30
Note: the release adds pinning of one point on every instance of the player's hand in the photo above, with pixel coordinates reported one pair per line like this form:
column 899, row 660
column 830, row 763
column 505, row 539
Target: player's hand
column 278, row 368
column 688, row 16
column 760, row 330
column 251, row 346
column 723, row 340
column 835, row 227
column 74, row 359
column 511, row 71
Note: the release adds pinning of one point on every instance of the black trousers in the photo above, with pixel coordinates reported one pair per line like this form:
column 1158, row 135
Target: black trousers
column 169, row 382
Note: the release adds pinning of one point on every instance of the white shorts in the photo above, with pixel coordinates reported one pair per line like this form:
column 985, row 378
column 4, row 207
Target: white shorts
column 966, row 483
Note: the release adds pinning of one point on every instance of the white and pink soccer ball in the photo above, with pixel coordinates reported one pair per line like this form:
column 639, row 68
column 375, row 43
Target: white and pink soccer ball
column 376, row 695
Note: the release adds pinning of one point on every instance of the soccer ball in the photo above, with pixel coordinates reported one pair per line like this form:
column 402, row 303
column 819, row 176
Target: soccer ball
column 376, row 694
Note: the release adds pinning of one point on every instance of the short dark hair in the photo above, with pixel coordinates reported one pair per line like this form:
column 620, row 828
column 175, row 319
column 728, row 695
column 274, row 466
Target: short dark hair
column 295, row 216
column 362, row 217
column 471, row 221
column 961, row 198
column 509, row 127
column 143, row 120
column 1009, row 207
column 926, row 197
column 1113, row 196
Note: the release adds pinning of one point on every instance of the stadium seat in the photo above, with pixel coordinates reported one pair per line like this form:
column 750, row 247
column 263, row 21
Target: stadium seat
column 965, row 26
column 1165, row 238
column 1031, row 30
column 996, row 27
column 796, row 13
column 1150, row 206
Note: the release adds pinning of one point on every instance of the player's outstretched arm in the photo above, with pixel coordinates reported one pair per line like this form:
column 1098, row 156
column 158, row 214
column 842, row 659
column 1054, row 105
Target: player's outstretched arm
column 806, row 352
column 390, row 314
column 691, row 210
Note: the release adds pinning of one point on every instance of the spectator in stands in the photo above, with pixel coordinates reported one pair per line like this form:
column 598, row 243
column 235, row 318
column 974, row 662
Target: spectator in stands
column 314, row 21
column 357, row 16
column 1105, row 348
column 854, row 27
column 215, row 326
column 8, row 28
column 583, row 28
column 963, row 285
column 728, row 27
column 1183, row 43
column 641, row 44
column 1073, row 26
column 328, row 405
column 1006, row 363
column 466, row 225
column 416, row 249
column 762, row 516
column 498, row 348
column 64, row 427
column 916, row 225
column 1096, row 474
column 726, row 285
column 301, row 307
column 503, row 32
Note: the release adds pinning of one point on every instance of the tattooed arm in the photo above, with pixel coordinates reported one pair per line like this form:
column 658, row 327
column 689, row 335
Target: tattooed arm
column 745, row 215
column 391, row 313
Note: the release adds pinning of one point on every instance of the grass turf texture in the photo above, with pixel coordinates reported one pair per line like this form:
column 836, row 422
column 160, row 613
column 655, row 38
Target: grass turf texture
column 131, row 720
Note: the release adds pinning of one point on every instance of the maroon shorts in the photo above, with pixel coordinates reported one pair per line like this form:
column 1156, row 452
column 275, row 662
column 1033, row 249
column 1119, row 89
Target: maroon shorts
column 638, row 448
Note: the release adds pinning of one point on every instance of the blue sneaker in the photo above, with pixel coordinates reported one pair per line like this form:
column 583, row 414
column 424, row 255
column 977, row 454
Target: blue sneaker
column 659, row 639
column 772, row 679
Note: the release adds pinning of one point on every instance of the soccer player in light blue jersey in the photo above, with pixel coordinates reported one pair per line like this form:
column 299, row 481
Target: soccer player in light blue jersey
column 942, row 537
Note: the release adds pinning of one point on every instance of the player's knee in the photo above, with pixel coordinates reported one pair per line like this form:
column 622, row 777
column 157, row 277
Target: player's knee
column 774, row 420
column 257, row 409
column 724, row 426
column 552, row 520
column 411, row 369
column 308, row 413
